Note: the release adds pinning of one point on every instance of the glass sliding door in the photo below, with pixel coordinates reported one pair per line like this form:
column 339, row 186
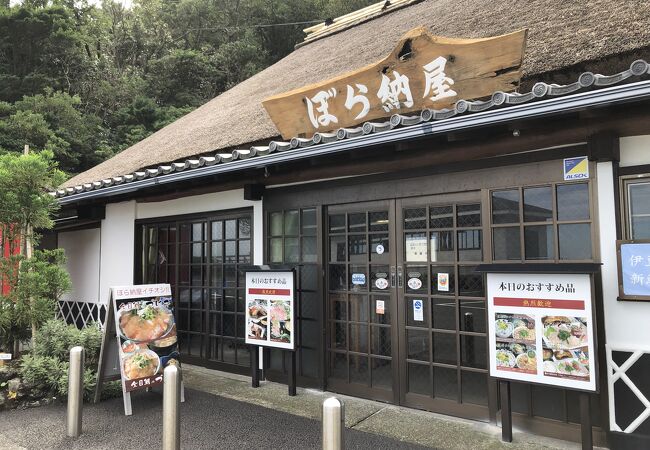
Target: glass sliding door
column 201, row 257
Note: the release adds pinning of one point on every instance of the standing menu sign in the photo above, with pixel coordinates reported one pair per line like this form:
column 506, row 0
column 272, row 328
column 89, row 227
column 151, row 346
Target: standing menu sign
column 541, row 329
column 270, row 306
column 145, row 334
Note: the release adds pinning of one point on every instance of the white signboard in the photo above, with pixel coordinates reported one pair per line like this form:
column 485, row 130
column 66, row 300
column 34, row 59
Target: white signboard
column 5, row 356
column 418, row 306
column 416, row 247
column 541, row 329
column 270, row 309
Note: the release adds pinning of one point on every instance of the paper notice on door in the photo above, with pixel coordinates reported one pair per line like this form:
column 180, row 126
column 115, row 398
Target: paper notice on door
column 418, row 313
column 443, row 281
column 379, row 307
column 416, row 247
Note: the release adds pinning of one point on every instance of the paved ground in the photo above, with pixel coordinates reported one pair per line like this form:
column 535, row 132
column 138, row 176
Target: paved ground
column 208, row 422
column 222, row 411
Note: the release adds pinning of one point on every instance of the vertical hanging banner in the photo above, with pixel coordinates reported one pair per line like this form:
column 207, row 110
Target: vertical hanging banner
column 145, row 334
column 270, row 307
column 541, row 329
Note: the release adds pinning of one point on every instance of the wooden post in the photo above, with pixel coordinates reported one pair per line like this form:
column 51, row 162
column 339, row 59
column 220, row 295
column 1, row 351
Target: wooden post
column 292, row 375
column 506, row 411
column 585, row 422
column 255, row 363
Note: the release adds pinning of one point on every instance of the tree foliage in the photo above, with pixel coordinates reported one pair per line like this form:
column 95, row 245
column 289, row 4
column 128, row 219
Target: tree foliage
column 86, row 81
column 35, row 281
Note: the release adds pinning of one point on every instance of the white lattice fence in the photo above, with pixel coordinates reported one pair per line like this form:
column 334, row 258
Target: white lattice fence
column 81, row 313
column 617, row 373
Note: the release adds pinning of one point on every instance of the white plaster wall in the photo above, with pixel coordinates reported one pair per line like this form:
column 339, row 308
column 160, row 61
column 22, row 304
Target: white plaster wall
column 619, row 330
column 82, row 250
column 117, row 242
column 217, row 201
column 635, row 150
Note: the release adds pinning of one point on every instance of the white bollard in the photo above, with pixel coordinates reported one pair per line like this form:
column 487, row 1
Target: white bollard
column 75, row 391
column 171, row 408
column 333, row 424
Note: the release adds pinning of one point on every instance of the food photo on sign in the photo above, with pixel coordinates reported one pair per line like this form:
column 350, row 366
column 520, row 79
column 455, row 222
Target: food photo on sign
column 147, row 338
column 566, row 353
column 516, row 348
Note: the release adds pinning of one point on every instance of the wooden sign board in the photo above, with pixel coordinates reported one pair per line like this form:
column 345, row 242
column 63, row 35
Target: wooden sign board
column 423, row 71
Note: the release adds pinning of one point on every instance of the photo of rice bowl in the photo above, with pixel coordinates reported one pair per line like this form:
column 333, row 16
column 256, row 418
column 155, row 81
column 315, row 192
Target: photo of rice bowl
column 146, row 323
column 140, row 364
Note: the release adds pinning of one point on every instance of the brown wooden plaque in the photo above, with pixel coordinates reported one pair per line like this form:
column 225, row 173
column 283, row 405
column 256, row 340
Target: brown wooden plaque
column 423, row 71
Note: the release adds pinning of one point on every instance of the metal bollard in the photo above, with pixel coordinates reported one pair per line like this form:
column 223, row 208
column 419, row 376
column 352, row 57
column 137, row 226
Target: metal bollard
column 75, row 391
column 171, row 408
column 333, row 424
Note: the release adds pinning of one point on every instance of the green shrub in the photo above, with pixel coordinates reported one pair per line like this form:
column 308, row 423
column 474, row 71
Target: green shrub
column 46, row 367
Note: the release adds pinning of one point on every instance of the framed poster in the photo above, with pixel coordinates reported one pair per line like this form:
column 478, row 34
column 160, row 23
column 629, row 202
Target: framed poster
column 541, row 329
column 270, row 308
column 633, row 270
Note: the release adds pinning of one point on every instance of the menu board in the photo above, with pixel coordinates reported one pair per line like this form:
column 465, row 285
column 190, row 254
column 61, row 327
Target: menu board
column 541, row 329
column 270, row 301
column 634, row 270
column 146, row 333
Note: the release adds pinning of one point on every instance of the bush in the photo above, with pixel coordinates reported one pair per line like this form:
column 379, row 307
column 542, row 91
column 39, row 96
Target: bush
column 46, row 367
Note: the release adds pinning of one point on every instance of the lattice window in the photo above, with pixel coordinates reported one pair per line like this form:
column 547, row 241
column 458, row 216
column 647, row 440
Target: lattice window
column 81, row 313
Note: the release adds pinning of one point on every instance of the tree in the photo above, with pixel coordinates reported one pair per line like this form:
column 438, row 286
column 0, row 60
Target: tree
column 35, row 279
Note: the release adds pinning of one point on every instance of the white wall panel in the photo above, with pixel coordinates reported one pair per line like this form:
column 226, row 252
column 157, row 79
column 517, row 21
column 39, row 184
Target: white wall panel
column 635, row 150
column 82, row 250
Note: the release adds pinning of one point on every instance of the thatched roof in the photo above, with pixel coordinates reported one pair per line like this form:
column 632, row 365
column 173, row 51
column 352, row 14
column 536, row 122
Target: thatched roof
column 562, row 35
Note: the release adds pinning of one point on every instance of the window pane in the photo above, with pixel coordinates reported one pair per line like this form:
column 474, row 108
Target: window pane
column 197, row 231
column 575, row 241
column 442, row 246
column 419, row 378
column 337, row 223
column 444, row 348
column 474, row 387
column 309, row 249
column 337, row 277
column 419, row 320
column 443, row 313
column 415, row 248
column 470, row 282
column 639, row 207
column 473, row 351
column 245, row 251
column 378, row 221
column 445, row 383
column 573, row 201
column 539, row 242
column 468, row 215
column 443, row 281
column 472, row 315
column 538, row 204
column 357, row 248
column 418, row 344
column 276, row 224
column 244, row 228
column 275, row 250
column 357, row 222
column 309, row 222
column 506, row 243
column 337, row 248
column 291, row 250
column 505, row 206
column 217, row 230
column 441, row 217
column 469, row 245
column 231, row 229
column 415, row 218
column 291, row 222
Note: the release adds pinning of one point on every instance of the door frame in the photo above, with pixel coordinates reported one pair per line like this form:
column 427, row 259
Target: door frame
column 348, row 388
column 438, row 405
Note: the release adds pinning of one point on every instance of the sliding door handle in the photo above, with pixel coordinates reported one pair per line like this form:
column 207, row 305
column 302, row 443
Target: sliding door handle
column 400, row 277
column 392, row 276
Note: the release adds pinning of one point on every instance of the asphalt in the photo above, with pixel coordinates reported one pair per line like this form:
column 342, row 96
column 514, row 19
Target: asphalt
column 207, row 422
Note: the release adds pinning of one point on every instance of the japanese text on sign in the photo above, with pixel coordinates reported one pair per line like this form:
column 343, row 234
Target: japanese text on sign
column 635, row 269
